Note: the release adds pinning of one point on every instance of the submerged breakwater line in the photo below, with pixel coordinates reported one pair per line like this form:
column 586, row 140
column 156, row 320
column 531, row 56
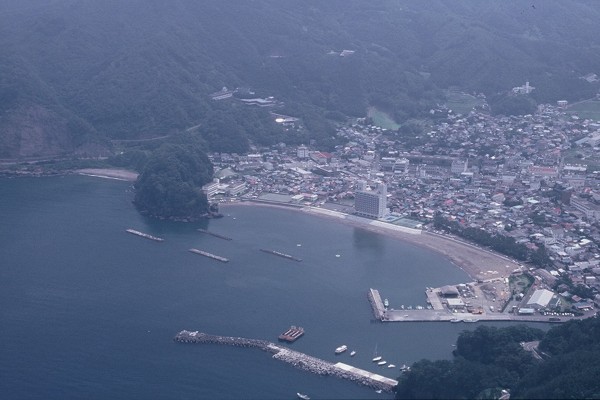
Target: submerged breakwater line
column 295, row 358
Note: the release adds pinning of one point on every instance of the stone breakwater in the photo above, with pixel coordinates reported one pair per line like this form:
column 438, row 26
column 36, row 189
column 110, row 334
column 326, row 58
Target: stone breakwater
column 295, row 358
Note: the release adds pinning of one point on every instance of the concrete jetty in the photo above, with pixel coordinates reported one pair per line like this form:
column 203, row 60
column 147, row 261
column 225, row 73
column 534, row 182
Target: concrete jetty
column 295, row 358
column 376, row 304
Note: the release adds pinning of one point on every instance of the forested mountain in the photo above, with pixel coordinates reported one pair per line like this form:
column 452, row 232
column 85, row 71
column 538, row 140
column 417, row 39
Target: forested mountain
column 75, row 73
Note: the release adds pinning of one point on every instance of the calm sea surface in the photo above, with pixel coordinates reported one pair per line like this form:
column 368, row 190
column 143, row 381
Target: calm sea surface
column 89, row 311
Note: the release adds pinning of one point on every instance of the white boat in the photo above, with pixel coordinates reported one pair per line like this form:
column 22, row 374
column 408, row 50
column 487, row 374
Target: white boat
column 378, row 358
column 352, row 353
column 382, row 362
column 302, row 396
column 386, row 303
column 378, row 391
column 341, row 349
column 391, row 366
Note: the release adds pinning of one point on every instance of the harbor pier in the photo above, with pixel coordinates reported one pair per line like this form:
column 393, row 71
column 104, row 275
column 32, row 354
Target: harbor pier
column 379, row 310
column 295, row 358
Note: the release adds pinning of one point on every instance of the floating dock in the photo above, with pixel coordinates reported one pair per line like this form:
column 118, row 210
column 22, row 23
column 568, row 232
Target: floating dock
column 209, row 255
column 144, row 235
column 277, row 253
column 295, row 358
column 292, row 334
column 214, row 234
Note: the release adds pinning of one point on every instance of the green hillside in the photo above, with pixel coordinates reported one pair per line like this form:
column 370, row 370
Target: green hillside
column 76, row 73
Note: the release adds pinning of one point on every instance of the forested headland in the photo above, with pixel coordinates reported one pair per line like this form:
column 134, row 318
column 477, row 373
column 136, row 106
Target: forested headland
column 489, row 360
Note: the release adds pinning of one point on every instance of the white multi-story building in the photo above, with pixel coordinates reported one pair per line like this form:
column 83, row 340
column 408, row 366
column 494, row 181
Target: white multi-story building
column 370, row 203
column 302, row 152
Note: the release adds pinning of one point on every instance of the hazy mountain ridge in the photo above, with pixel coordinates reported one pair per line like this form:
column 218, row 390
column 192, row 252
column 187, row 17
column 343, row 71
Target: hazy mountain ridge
column 145, row 68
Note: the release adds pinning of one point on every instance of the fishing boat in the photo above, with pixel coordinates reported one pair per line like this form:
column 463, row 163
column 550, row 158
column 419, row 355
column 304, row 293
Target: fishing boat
column 341, row 349
column 376, row 358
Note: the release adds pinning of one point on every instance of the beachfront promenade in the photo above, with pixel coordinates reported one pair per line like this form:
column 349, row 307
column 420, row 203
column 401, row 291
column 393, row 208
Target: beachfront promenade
column 295, row 358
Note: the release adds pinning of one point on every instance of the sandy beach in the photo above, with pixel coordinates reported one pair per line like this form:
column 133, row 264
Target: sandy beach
column 119, row 174
column 478, row 263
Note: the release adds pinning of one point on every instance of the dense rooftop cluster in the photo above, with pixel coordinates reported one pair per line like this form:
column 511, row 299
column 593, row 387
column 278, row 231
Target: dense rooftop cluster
column 504, row 175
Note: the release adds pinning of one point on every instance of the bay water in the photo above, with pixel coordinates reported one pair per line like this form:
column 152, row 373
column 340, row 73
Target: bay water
column 89, row 311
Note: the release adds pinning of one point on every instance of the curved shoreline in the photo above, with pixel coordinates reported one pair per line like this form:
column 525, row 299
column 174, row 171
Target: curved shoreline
column 478, row 263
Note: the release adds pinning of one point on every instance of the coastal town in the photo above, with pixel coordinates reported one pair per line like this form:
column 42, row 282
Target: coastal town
column 519, row 188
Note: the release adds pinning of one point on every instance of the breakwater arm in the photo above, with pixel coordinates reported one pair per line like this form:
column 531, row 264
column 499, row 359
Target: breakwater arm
column 280, row 254
column 295, row 358
column 217, row 235
column 144, row 235
column 209, row 255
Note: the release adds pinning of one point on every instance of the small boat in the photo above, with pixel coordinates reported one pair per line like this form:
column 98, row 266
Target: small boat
column 341, row 349
column 378, row 391
column 382, row 362
column 471, row 320
column 302, row 396
column 455, row 320
column 404, row 368
column 386, row 303
column 378, row 358
column 352, row 353
column 391, row 366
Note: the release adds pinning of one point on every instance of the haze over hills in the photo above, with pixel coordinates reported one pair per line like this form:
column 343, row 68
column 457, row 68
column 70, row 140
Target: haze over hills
column 77, row 73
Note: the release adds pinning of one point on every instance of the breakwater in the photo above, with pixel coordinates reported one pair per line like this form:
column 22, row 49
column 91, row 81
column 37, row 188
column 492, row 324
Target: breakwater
column 215, row 234
column 144, row 235
column 280, row 254
column 295, row 358
column 209, row 255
